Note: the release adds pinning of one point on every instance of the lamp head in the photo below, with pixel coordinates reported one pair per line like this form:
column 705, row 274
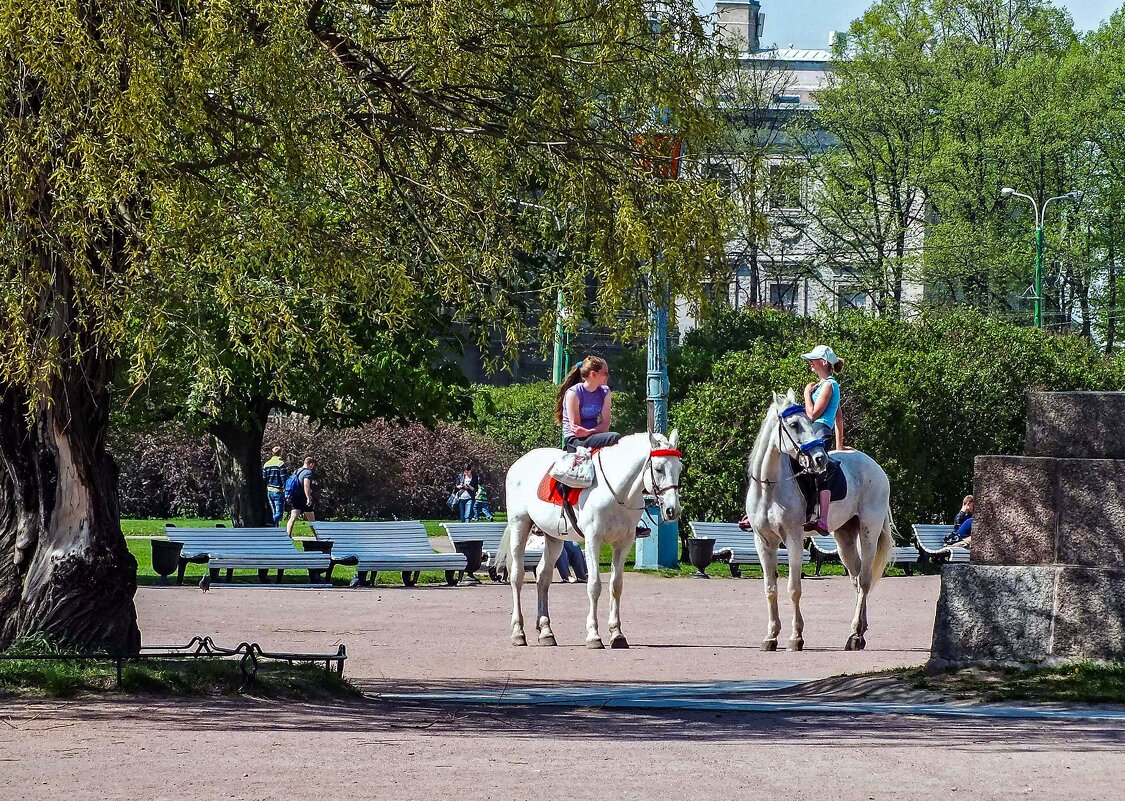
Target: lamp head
column 1007, row 191
column 1076, row 196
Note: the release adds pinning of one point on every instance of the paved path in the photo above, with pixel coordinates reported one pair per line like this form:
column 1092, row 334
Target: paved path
column 456, row 641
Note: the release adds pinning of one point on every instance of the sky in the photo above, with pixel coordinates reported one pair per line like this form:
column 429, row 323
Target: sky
column 806, row 23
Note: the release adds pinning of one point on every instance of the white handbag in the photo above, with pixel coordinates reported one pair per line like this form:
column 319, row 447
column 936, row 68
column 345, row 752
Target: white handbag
column 574, row 469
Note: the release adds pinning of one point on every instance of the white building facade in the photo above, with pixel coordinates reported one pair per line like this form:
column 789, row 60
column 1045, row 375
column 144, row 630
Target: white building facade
column 791, row 268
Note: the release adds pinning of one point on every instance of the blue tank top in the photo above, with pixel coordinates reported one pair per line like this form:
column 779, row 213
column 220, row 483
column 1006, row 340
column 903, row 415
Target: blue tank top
column 829, row 416
column 589, row 408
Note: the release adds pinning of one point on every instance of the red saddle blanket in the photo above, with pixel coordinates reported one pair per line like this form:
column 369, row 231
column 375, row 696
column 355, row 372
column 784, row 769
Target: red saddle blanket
column 551, row 491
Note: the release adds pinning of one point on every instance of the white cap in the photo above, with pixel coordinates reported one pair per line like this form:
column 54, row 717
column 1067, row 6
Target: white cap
column 822, row 352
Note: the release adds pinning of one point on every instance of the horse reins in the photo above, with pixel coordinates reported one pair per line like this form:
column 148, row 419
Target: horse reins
column 796, row 408
column 657, row 490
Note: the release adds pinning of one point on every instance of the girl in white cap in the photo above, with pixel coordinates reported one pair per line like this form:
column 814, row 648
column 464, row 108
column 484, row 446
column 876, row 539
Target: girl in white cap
column 822, row 405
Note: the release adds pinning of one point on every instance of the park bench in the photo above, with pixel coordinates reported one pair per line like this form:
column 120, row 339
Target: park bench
column 396, row 545
column 824, row 547
column 490, row 534
column 737, row 547
column 931, row 546
column 261, row 549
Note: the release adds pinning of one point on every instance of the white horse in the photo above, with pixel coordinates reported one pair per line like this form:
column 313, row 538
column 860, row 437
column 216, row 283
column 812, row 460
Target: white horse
column 861, row 522
column 607, row 513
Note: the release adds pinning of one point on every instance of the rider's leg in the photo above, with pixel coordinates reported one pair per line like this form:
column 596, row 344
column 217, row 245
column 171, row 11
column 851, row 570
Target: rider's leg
column 601, row 440
column 820, row 525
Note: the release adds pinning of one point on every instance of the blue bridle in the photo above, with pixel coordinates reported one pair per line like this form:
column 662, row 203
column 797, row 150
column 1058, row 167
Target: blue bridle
column 796, row 409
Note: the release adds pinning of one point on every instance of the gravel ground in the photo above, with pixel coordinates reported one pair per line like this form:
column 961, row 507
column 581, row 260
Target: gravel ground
column 681, row 630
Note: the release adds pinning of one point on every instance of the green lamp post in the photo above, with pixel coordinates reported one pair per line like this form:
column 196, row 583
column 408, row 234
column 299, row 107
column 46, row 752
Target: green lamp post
column 1040, row 214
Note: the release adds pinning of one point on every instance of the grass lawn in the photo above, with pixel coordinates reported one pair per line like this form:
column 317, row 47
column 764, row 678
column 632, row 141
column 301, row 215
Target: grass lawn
column 140, row 530
column 1081, row 682
column 186, row 677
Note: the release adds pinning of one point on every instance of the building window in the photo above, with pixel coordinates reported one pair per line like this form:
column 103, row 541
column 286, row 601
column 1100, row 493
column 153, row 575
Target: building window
column 722, row 174
column 850, row 297
column 786, row 186
column 783, row 295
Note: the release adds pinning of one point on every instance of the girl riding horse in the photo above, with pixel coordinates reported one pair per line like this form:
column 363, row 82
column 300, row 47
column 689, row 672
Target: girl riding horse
column 584, row 406
column 822, row 405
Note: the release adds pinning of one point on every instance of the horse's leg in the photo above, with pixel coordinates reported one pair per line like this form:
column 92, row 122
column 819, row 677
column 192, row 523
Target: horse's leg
column 593, row 587
column 616, row 582
column 767, row 554
column 849, row 554
column 520, row 529
column 552, row 549
column 867, row 545
column 795, row 546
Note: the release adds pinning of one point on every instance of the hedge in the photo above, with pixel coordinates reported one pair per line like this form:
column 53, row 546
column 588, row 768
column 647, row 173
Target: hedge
column 379, row 471
column 922, row 397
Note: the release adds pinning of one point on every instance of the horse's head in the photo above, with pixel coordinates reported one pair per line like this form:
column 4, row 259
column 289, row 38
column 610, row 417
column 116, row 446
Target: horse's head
column 662, row 478
column 796, row 436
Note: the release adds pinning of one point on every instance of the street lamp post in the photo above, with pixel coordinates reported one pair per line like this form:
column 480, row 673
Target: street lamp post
column 1040, row 215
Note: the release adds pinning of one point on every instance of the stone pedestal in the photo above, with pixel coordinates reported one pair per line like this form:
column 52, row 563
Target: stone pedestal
column 1046, row 580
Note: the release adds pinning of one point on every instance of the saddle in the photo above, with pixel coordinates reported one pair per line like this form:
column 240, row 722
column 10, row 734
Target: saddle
column 810, row 484
column 553, row 492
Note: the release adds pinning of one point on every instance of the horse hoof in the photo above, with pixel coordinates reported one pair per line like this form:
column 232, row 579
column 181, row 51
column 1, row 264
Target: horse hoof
column 619, row 642
column 769, row 645
column 595, row 645
column 855, row 643
column 796, row 645
column 548, row 640
column 519, row 640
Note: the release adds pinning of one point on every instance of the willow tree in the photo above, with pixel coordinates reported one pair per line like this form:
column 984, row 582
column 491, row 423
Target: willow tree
column 225, row 174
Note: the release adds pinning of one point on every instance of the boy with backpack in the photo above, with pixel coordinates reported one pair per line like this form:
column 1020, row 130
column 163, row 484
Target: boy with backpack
column 481, row 507
column 300, row 494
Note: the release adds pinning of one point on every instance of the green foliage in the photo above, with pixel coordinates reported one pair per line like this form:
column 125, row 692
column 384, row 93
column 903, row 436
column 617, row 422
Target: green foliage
column 295, row 189
column 521, row 416
column 923, row 398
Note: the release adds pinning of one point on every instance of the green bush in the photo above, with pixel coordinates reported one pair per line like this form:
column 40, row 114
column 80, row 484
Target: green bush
column 922, row 397
column 522, row 416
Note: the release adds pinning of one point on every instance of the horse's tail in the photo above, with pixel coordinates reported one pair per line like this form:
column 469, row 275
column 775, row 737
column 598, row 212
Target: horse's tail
column 884, row 546
column 503, row 556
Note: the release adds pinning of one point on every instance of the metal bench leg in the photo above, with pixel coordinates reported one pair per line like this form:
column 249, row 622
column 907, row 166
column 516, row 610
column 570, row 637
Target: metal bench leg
column 410, row 578
column 180, row 571
column 280, row 574
column 230, row 574
column 735, row 570
column 819, row 562
column 263, row 576
column 214, row 573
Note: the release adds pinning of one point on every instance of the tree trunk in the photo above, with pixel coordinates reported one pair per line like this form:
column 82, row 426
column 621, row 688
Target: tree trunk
column 238, row 451
column 65, row 571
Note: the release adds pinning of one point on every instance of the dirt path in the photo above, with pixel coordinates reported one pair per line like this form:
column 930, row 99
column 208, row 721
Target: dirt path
column 681, row 630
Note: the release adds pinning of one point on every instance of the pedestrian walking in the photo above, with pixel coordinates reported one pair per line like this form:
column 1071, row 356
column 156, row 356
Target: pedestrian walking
column 274, row 475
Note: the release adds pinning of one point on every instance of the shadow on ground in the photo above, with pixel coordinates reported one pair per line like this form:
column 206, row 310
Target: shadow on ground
column 811, row 730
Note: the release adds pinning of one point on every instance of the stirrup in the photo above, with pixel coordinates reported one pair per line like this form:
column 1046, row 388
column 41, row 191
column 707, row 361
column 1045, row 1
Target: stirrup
column 819, row 526
column 642, row 532
column 745, row 524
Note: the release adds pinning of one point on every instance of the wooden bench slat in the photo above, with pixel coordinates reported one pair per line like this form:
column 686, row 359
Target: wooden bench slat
column 246, row 548
column 401, row 545
column 490, row 534
column 741, row 544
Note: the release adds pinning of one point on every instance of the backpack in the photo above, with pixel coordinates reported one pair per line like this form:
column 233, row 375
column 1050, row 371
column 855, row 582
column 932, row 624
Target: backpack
column 295, row 486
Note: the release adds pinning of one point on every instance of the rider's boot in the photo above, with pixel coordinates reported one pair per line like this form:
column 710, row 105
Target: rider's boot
column 820, row 525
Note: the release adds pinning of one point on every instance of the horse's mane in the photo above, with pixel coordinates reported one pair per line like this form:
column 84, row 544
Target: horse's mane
column 759, row 441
